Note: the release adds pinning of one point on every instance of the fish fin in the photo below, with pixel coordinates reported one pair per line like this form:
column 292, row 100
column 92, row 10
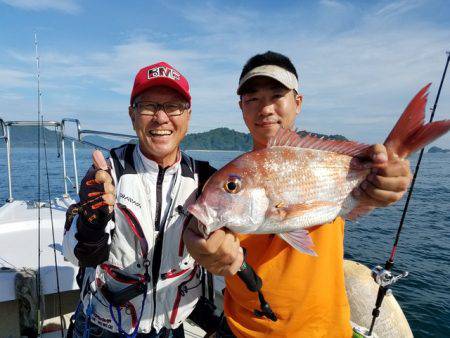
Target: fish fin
column 410, row 133
column 289, row 138
column 282, row 212
column 300, row 240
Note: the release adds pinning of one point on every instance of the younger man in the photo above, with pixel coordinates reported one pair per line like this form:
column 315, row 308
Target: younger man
column 307, row 293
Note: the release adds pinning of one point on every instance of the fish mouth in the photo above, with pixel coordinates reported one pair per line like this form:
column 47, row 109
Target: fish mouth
column 199, row 211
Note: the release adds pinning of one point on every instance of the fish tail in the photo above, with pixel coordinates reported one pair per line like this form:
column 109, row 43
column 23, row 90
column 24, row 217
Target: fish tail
column 411, row 133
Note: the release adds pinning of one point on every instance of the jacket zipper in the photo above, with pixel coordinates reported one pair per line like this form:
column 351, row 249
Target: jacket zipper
column 180, row 293
column 157, row 251
column 173, row 273
column 115, row 273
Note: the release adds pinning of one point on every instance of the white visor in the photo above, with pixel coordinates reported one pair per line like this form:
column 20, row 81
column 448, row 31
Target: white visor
column 285, row 77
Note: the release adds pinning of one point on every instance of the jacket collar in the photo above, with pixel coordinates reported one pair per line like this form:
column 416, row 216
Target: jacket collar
column 152, row 166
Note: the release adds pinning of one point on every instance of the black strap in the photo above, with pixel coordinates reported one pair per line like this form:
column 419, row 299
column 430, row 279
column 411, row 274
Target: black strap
column 204, row 170
column 129, row 166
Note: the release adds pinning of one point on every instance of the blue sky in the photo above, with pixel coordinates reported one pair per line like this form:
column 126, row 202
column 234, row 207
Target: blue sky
column 360, row 62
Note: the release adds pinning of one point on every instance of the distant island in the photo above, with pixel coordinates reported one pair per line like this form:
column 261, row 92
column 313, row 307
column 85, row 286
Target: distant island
column 438, row 150
column 215, row 139
column 26, row 137
column 229, row 139
column 218, row 139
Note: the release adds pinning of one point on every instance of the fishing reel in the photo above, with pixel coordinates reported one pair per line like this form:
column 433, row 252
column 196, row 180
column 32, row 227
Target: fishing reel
column 384, row 277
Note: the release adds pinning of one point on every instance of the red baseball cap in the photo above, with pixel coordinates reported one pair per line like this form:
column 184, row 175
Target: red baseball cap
column 160, row 74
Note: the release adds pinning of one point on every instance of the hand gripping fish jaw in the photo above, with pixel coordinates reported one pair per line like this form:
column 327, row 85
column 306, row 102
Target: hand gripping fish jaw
column 246, row 273
column 254, row 284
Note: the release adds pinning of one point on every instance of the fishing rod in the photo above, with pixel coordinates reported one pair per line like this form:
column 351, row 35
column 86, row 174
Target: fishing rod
column 383, row 276
column 41, row 126
column 38, row 279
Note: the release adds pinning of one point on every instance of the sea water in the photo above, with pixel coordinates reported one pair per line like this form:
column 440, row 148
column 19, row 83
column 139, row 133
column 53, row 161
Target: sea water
column 424, row 247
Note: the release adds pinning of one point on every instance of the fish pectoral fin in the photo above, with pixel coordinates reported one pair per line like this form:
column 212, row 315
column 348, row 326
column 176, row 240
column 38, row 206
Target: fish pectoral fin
column 300, row 240
column 282, row 212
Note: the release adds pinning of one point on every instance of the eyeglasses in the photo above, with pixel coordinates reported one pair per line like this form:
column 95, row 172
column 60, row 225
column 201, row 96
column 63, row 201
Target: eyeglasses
column 149, row 108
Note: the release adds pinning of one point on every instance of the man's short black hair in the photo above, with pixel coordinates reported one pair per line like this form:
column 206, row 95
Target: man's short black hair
column 269, row 58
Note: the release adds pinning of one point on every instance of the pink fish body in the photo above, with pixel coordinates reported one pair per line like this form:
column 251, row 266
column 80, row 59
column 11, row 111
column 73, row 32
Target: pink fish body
column 299, row 182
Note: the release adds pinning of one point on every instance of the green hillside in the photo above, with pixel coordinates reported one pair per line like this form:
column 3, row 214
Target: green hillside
column 26, row 136
column 215, row 139
column 438, row 150
column 218, row 139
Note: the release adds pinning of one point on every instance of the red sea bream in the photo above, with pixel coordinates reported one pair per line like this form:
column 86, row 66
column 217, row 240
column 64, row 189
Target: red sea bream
column 299, row 182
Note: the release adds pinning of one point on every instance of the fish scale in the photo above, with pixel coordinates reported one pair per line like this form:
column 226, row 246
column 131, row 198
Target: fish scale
column 336, row 177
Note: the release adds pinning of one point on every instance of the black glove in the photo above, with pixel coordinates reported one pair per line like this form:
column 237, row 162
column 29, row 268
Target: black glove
column 93, row 210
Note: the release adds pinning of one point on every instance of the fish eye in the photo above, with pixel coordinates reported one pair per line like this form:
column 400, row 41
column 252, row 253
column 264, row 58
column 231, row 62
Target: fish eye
column 233, row 185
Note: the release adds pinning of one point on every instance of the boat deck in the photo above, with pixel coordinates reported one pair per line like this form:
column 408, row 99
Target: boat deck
column 19, row 246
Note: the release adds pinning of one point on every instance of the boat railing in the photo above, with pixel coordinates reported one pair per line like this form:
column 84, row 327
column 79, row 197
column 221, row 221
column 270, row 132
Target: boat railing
column 3, row 126
column 62, row 129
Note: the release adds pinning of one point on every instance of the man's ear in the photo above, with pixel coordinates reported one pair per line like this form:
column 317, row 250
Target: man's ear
column 240, row 104
column 189, row 113
column 298, row 102
column 131, row 112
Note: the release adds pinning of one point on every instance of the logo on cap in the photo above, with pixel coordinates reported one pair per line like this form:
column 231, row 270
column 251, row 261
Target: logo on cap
column 162, row 71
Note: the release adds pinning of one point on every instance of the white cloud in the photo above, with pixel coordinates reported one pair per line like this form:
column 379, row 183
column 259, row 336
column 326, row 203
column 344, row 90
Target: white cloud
column 226, row 19
column 10, row 78
column 10, row 96
column 67, row 6
column 355, row 82
column 394, row 8
column 332, row 4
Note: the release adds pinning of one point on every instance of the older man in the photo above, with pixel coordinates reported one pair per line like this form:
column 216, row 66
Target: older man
column 126, row 233
column 307, row 293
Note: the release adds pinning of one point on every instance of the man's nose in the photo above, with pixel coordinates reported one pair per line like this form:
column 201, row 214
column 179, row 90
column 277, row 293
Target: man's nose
column 267, row 108
column 161, row 116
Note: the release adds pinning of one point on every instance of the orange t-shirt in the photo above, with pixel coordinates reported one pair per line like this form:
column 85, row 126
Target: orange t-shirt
column 306, row 293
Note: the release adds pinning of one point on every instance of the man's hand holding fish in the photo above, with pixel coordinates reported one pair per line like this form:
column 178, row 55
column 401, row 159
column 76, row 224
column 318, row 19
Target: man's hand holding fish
column 388, row 181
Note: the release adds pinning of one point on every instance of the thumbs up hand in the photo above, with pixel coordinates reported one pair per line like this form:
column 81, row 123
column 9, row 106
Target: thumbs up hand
column 97, row 193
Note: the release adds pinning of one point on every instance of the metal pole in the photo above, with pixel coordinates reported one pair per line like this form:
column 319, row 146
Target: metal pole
column 75, row 165
column 8, row 155
column 63, row 148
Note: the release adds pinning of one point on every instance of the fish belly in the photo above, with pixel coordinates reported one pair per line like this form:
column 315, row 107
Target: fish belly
column 312, row 186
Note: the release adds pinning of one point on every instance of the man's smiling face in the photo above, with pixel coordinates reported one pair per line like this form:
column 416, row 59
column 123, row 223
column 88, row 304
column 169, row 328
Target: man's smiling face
column 160, row 135
column 266, row 105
